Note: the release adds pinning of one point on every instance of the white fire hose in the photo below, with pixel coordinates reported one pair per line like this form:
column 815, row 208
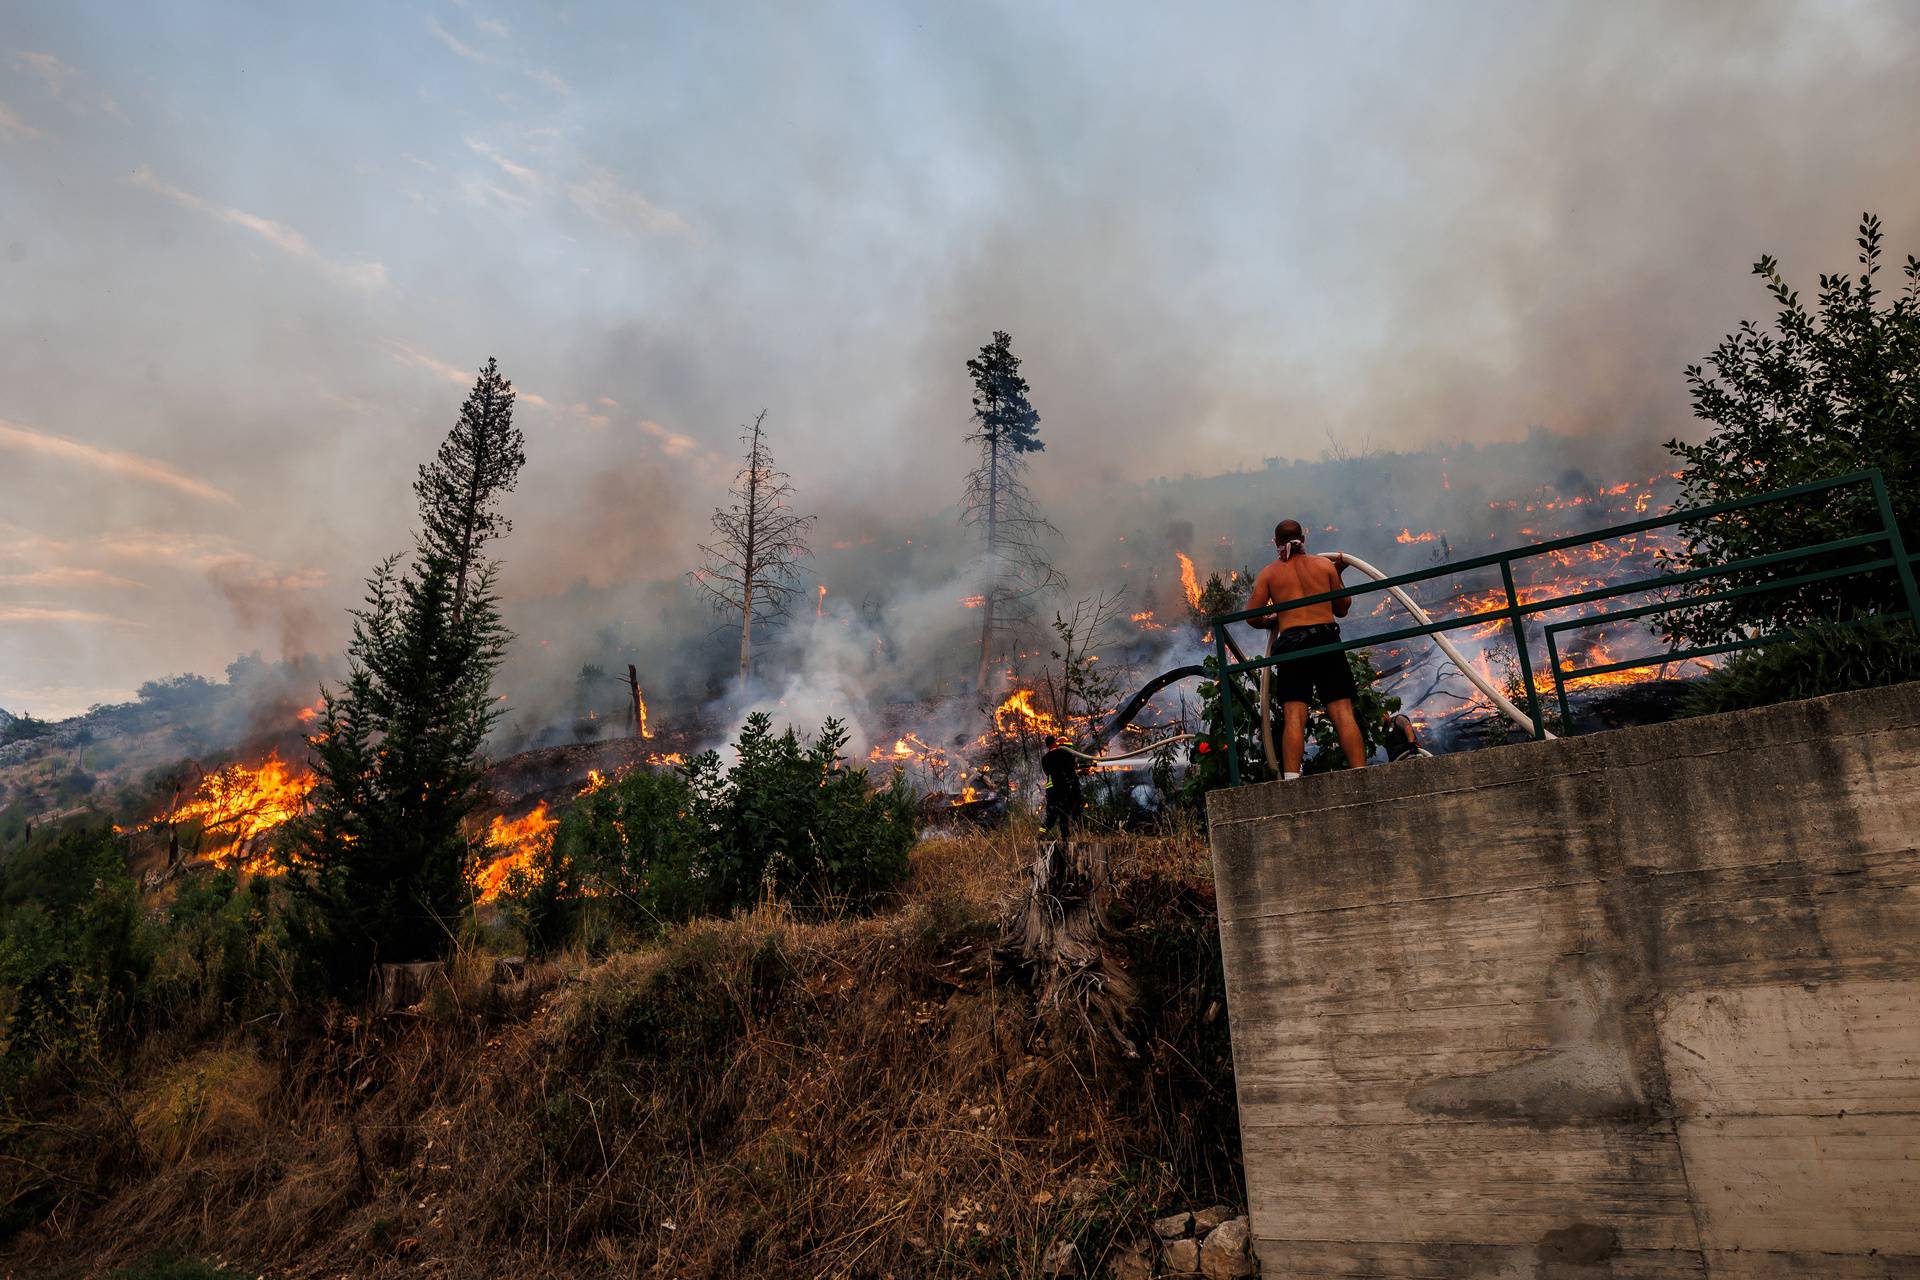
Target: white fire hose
column 1480, row 682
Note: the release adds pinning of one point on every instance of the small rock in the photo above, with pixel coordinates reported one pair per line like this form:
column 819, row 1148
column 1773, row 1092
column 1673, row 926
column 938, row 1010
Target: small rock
column 1081, row 1190
column 1223, row 1255
column 1207, row 1219
column 1173, row 1226
column 1062, row 1258
column 1181, row 1256
column 1131, row 1263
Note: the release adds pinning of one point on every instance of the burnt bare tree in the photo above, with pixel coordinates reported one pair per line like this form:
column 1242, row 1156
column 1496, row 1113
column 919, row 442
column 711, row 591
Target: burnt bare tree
column 459, row 490
column 759, row 541
column 1015, row 568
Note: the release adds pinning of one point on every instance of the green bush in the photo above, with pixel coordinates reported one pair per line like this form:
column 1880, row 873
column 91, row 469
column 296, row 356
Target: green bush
column 1825, row 658
column 223, row 950
column 73, row 953
column 652, row 848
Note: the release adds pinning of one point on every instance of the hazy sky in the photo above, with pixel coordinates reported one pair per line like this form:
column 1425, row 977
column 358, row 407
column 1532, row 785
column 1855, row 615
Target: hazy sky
column 253, row 253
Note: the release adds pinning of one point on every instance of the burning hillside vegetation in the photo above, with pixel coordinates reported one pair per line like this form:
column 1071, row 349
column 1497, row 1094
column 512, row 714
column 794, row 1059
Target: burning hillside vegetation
column 971, row 756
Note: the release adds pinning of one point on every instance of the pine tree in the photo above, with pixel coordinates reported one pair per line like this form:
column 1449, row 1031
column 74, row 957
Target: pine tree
column 1006, row 430
column 759, row 541
column 379, row 864
column 478, row 462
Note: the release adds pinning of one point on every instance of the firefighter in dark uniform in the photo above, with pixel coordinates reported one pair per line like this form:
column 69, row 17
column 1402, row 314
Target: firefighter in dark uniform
column 1400, row 739
column 1064, row 801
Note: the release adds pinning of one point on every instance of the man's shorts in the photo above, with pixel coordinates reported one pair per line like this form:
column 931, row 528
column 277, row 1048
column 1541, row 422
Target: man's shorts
column 1327, row 676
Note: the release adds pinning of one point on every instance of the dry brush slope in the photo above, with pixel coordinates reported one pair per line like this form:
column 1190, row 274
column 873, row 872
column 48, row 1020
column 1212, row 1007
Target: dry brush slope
column 758, row 1096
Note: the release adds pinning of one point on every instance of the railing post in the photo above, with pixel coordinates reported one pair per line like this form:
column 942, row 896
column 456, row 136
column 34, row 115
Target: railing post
column 1559, row 682
column 1226, row 703
column 1520, row 647
column 1897, row 546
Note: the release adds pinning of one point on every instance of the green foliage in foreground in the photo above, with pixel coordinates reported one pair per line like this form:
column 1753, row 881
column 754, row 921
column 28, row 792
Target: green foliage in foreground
column 789, row 819
column 1827, row 658
column 1827, row 391
column 85, row 971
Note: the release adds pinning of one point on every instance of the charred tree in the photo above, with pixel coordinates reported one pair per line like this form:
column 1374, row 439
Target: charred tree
column 459, row 490
column 1006, row 429
column 759, row 542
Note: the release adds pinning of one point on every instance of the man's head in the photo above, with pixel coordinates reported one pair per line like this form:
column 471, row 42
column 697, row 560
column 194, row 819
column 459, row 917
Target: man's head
column 1052, row 742
column 1289, row 537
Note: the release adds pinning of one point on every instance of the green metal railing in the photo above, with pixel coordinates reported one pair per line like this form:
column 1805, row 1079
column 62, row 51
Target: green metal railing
column 1517, row 611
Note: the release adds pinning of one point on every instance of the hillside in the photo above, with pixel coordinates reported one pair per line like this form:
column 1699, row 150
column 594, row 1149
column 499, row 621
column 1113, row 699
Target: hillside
column 761, row 1095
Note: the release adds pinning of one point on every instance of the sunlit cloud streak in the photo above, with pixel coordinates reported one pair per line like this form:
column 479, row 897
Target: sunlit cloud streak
column 364, row 275
column 119, row 462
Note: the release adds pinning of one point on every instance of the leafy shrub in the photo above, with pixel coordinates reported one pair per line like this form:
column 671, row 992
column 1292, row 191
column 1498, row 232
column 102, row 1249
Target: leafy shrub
column 652, row 848
column 223, row 950
column 1825, row 658
column 73, row 953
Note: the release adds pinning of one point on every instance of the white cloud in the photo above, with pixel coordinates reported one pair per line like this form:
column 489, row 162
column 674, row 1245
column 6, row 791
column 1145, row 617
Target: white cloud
column 56, row 74
column 19, row 613
column 518, row 172
column 93, row 457
column 407, row 355
column 50, row 69
column 672, row 443
column 548, row 80
column 67, row 576
column 455, row 43
column 604, row 199
column 10, row 122
column 492, row 26
column 363, row 275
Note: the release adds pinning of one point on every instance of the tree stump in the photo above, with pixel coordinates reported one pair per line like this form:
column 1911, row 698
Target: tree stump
column 1059, row 935
column 401, row 986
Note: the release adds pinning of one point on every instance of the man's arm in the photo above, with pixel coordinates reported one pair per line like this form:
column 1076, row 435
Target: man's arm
column 1340, row 603
column 1260, row 598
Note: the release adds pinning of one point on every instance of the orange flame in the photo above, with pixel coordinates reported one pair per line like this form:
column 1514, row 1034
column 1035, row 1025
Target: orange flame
column 514, row 844
column 972, row 602
column 237, row 805
column 1018, row 713
column 1407, row 537
column 1189, row 580
column 820, row 602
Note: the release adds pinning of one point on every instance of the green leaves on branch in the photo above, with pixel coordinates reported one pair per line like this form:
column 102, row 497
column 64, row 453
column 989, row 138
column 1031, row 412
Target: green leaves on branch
column 1828, row 391
column 788, row 820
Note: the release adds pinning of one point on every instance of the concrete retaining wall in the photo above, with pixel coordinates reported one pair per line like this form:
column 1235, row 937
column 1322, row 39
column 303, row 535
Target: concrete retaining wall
column 1644, row 1003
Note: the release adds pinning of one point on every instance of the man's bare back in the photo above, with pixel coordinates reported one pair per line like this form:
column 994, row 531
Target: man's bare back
column 1294, row 578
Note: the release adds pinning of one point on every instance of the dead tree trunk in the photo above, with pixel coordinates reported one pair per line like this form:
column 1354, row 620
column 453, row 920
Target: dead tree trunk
column 1059, row 935
column 639, row 703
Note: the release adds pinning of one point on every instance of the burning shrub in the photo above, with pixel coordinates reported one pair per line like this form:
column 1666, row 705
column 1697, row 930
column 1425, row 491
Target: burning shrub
column 654, row 848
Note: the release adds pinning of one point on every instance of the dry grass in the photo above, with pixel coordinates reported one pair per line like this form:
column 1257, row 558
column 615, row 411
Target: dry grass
column 760, row 1096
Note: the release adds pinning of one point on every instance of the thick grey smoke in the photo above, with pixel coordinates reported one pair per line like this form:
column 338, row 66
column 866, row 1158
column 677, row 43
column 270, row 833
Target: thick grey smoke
column 252, row 260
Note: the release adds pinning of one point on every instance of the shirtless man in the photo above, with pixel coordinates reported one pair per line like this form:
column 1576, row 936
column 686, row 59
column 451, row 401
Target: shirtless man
column 1294, row 575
